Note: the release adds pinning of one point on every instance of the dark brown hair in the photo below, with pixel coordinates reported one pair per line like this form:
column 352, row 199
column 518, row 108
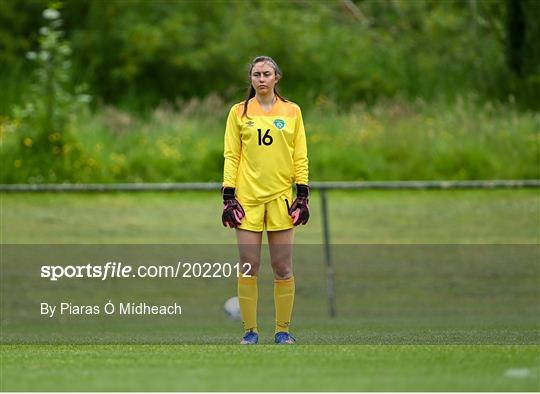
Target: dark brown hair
column 251, row 91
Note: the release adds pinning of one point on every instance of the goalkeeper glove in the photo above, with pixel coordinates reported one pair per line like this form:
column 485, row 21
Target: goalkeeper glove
column 233, row 213
column 299, row 210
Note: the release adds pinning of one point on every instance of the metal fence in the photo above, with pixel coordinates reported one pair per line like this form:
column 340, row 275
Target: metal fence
column 379, row 185
column 323, row 187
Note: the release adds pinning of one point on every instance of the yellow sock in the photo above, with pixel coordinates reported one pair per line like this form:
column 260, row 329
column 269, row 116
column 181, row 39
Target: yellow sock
column 283, row 300
column 247, row 296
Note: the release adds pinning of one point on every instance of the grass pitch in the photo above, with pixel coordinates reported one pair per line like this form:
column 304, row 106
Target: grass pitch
column 355, row 217
column 269, row 368
column 396, row 353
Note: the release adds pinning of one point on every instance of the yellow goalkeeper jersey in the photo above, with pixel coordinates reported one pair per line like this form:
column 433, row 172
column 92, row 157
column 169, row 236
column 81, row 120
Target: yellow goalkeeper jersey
column 265, row 152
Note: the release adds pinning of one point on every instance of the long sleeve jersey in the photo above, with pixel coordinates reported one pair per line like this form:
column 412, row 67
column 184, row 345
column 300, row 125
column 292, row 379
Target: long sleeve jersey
column 265, row 152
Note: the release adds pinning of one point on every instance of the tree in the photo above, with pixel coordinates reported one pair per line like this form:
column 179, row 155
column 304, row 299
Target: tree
column 516, row 33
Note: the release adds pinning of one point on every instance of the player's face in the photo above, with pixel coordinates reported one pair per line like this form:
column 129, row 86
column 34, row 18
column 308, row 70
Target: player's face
column 263, row 78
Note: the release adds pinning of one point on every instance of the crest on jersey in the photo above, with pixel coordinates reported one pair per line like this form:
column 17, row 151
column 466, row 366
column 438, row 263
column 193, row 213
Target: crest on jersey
column 279, row 123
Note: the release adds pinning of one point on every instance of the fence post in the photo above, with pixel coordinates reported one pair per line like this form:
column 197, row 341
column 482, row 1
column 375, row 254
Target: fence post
column 328, row 257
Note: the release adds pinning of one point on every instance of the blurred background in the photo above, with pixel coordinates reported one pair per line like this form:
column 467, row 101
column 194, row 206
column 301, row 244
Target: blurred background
column 138, row 91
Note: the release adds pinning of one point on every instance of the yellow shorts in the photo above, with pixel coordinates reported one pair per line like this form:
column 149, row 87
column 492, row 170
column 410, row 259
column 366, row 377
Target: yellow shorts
column 272, row 216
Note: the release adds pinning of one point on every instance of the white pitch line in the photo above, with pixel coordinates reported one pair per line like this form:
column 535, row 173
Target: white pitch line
column 517, row 372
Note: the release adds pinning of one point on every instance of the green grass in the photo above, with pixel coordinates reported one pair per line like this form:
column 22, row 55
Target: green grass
column 268, row 368
column 366, row 217
column 464, row 325
column 393, row 140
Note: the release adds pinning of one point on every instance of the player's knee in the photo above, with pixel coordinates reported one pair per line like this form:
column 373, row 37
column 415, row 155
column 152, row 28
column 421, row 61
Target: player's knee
column 250, row 267
column 282, row 270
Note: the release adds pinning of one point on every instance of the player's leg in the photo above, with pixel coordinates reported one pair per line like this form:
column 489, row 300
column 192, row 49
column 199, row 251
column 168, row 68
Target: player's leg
column 281, row 245
column 249, row 248
column 281, row 248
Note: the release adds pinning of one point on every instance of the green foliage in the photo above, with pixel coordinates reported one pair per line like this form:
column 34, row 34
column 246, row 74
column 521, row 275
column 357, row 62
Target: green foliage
column 391, row 140
column 138, row 55
column 19, row 24
column 363, row 77
column 43, row 125
column 397, row 140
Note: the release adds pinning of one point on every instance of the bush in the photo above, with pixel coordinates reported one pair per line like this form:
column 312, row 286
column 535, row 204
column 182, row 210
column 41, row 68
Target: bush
column 46, row 148
column 391, row 140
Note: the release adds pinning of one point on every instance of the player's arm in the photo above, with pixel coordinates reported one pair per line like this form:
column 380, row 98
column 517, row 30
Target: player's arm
column 232, row 149
column 233, row 213
column 300, row 157
column 299, row 209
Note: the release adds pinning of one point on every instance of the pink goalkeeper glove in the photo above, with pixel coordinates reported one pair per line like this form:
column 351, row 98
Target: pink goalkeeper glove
column 299, row 210
column 233, row 213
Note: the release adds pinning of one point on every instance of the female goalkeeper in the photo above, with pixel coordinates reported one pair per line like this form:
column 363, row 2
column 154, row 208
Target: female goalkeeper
column 265, row 153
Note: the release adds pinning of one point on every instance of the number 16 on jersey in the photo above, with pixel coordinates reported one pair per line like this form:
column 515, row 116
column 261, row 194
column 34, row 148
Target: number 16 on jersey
column 265, row 139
